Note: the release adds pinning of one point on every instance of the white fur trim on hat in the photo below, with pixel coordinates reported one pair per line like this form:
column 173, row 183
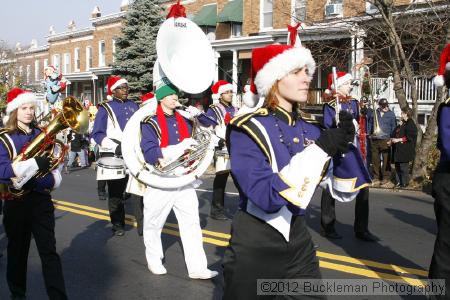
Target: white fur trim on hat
column 21, row 99
column 439, row 79
column 118, row 82
column 343, row 79
column 280, row 65
column 224, row 88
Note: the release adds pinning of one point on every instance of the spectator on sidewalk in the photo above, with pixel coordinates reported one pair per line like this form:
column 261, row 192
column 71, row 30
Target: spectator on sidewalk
column 404, row 146
column 76, row 145
column 380, row 146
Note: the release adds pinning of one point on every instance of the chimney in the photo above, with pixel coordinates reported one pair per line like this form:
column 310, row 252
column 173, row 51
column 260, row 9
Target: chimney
column 96, row 12
column 124, row 5
column 71, row 25
column 51, row 30
column 33, row 44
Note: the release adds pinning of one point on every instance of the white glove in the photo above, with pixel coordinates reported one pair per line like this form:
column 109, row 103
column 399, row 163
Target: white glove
column 193, row 111
column 172, row 152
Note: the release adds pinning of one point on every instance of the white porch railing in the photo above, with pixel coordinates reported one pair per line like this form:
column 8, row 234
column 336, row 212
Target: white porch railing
column 427, row 92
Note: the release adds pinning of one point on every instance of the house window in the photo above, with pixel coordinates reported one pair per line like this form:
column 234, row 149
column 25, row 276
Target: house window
column 114, row 50
column 421, row 119
column 236, row 29
column 28, row 73
column 267, row 14
column 66, row 66
column 334, row 8
column 56, row 61
column 76, row 59
column 101, row 53
column 210, row 32
column 45, row 63
column 36, row 70
column 88, row 58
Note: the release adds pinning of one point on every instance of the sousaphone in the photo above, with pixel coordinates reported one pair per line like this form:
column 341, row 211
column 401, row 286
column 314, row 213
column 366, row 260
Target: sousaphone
column 186, row 59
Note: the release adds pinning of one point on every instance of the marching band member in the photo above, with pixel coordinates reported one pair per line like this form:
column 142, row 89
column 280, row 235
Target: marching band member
column 109, row 123
column 166, row 136
column 277, row 160
column 345, row 167
column 440, row 263
column 222, row 111
column 33, row 213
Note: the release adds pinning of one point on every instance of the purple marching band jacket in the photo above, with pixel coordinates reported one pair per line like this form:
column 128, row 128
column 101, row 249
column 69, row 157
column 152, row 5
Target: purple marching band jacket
column 443, row 141
column 219, row 113
column 110, row 121
column 264, row 147
column 350, row 173
column 151, row 134
column 11, row 144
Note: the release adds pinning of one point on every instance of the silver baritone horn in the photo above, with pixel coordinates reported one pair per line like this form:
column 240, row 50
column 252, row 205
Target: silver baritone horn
column 185, row 58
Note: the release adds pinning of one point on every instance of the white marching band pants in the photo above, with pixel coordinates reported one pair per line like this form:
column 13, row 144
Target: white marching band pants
column 157, row 205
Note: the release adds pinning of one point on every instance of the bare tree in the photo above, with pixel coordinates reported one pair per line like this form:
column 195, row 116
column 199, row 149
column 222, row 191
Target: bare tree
column 404, row 41
column 7, row 65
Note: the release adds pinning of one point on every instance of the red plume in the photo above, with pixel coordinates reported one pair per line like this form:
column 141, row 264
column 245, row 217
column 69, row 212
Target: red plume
column 177, row 10
column 293, row 33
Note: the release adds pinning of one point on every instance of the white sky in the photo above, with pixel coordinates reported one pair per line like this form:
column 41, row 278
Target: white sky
column 23, row 20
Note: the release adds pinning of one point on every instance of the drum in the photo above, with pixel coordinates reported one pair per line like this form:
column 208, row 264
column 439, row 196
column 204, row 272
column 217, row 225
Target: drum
column 222, row 161
column 110, row 168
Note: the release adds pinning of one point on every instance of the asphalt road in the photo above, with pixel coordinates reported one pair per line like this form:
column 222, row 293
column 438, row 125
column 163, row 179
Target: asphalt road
column 99, row 266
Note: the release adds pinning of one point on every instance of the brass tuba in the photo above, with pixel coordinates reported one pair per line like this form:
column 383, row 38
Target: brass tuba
column 72, row 115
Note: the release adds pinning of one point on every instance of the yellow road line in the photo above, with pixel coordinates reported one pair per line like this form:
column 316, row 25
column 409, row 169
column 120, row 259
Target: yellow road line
column 133, row 223
column 130, row 220
column 371, row 263
column 370, row 273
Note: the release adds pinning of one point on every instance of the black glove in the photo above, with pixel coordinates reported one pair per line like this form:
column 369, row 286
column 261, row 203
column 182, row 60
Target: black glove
column 346, row 122
column 221, row 143
column 118, row 151
column 30, row 185
column 43, row 163
column 334, row 140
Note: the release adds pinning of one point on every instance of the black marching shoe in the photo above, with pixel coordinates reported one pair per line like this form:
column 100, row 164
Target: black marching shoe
column 219, row 216
column 331, row 235
column 118, row 231
column 366, row 236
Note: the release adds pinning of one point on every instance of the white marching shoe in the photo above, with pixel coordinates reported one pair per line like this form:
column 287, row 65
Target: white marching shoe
column 157, row 269
column 203, row 274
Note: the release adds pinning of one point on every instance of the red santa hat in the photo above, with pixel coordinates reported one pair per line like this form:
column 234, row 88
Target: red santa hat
column 444, row 65
column 272, row 63
column 176, row 11
column 113, row 83
column 219, row 88
column 147, row 97
column 17, row 97
column 342, row 77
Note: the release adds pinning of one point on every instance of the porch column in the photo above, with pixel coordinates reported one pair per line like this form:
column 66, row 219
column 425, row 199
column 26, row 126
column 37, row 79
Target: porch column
column 235, row 73
column 216, row 62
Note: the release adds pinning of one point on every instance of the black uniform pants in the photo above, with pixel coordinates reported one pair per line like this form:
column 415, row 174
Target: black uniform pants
column 34, row 215
column 440, row 262
column 328, row 211
column 116, row 188
column 138, row 205
column 218, row 200
column 259, row 251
